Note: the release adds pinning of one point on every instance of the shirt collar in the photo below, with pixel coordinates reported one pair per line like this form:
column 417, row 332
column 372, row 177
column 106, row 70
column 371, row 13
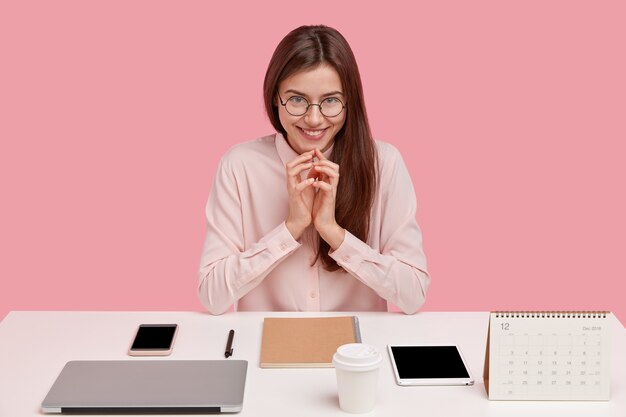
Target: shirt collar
column 286, row 153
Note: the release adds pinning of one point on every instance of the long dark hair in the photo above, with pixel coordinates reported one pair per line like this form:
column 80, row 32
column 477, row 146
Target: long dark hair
column 306, row 48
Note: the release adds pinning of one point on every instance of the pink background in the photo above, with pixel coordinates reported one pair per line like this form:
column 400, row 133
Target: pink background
column 510, row 117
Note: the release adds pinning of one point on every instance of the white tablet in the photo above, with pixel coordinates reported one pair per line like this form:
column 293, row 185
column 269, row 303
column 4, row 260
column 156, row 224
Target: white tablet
column 429, row 365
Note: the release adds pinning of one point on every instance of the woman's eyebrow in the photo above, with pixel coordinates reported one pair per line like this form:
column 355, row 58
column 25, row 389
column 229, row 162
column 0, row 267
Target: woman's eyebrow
column 332, row 93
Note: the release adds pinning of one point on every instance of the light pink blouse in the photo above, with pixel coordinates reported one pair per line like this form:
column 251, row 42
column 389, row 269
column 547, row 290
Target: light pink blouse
column 251, row 260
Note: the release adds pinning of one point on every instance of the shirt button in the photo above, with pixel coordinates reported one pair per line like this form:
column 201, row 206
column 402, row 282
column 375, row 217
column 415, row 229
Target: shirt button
column 346, row 258
column 283, row 246
column 313, row 294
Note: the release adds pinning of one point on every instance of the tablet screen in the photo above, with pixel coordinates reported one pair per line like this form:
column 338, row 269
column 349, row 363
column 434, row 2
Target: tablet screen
column 428, row 362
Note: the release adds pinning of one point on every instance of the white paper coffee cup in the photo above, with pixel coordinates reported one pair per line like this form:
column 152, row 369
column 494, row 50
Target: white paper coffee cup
column 357, row 367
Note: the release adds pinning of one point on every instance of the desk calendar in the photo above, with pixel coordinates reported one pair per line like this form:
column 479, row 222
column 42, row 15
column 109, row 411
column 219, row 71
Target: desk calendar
column 548, row 355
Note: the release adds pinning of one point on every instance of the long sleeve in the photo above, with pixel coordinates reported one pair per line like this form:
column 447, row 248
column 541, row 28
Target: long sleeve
column 227, row 269
column 250, row 260
column 396, row 271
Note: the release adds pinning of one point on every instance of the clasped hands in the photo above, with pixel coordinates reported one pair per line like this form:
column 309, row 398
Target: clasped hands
column 312, row 200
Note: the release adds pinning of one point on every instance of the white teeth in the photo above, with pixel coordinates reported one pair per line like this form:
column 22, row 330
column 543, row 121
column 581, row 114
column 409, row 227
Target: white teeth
column 313, row 132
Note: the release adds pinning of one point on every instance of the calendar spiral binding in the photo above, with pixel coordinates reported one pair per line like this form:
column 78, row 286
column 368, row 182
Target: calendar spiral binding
column 552, row 314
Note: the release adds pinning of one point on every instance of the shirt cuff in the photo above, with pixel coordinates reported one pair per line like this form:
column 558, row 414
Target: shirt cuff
column 280, row 242
column 352, row 256
column 350, row 253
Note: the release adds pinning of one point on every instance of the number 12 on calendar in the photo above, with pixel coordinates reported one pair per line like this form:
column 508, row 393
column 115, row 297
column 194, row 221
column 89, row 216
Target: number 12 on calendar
column 548, row 355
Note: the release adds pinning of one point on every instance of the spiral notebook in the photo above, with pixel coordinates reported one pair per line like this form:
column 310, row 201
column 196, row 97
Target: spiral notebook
column 305, row 342
column 548, row 355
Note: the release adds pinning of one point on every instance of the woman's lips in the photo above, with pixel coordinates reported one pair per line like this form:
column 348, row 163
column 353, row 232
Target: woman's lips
column 312, row 134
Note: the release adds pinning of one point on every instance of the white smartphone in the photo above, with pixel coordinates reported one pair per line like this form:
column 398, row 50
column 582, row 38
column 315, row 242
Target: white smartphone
column 154, row 340
column 429, row 365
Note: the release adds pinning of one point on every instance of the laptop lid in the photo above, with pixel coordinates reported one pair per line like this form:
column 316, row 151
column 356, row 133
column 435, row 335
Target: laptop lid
column 148, row 386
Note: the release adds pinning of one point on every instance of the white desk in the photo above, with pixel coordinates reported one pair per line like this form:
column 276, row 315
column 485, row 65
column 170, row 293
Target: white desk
column 34, row 347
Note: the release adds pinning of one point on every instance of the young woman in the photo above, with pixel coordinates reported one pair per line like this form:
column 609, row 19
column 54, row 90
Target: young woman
column 319, row 216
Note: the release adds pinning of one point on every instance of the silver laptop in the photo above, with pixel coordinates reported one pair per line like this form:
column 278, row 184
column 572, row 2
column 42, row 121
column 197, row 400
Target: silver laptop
column 148, row 387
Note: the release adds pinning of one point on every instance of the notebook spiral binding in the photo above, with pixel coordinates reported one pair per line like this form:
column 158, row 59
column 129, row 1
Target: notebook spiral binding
column 552, row 314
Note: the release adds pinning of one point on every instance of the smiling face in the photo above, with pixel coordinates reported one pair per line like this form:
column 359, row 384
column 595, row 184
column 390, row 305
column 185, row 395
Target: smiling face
column 312, row 129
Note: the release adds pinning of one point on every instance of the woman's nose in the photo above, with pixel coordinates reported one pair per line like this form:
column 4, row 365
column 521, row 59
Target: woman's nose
column 314, row 116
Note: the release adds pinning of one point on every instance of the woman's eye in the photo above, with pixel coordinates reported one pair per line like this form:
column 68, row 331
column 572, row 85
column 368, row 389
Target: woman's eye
column 297, row 100
column 332, row 100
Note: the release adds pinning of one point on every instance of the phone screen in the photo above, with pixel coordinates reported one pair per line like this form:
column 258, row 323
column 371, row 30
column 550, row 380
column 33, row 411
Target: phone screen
column 154, row 337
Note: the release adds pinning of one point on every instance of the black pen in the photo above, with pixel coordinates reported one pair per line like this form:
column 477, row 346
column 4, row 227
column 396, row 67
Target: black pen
column 229, row 345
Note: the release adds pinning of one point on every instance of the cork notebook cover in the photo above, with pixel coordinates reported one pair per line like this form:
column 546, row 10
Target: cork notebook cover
column 305, row 342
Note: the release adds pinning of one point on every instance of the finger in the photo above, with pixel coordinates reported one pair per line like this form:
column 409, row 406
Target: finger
column 297, row 169
column 299, row 164
column 324, row 186
column 329, row 173
column 293, row 174
column 307, row 156
column 325, row 168
column 303, row 184
column 320, row 155
column 327, row 163
column 314, row 173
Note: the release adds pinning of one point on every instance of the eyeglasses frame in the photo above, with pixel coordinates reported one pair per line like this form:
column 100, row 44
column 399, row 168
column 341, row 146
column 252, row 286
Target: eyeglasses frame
column 319, row 105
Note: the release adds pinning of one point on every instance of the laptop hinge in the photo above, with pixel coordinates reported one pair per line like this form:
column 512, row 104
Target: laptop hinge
column 141, row 410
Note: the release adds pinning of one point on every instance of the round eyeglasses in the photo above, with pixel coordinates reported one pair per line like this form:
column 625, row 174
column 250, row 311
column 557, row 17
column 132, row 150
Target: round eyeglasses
column 298, row 106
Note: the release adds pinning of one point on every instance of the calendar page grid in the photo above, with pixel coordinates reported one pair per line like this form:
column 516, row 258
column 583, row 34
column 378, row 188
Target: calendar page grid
column 548, row 358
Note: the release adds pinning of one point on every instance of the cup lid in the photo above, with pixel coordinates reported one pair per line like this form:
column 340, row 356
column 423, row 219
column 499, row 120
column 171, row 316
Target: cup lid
column 357, row 357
